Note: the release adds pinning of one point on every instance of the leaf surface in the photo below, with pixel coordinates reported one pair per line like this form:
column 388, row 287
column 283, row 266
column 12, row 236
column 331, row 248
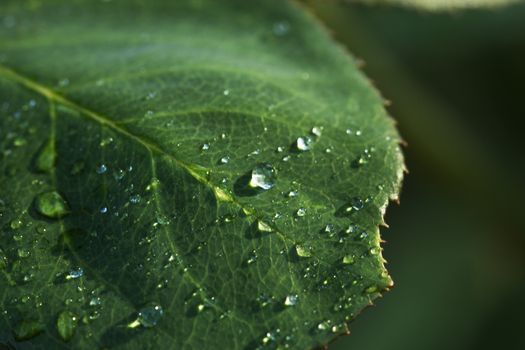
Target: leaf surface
column 189, row 175
column 441, row 5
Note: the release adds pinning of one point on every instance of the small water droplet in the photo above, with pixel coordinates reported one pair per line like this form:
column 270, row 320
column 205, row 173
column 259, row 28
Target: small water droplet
column 291, row 300
column 51, row 205
column 263, row 226
column 106, row 141
column 101, row 169
column 103, row 210
column 224, row 160
column 45, row 160
column 300, row 212
column 317, row 130
column 148, row 317
column 135, row 199
column 66, row 325
column 75, row 273
column 262, row 177
column 355, row 205
column 324, row 325
column 16, row 224
column 292, row 193
column 302, row 251
column 374, row 251
column 303, row 143
column 252, row 259
column 348, row 260
column 226, row 92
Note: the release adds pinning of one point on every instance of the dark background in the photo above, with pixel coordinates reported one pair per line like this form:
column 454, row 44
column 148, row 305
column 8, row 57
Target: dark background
column 456, row 246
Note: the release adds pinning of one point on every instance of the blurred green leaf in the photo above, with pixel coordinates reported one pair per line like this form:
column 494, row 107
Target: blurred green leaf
column 441, row 5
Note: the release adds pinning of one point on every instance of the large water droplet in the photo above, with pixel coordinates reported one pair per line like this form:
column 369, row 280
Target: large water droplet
column 262, row 177
column 66, row 325
column 51, row 205
column 263, row 226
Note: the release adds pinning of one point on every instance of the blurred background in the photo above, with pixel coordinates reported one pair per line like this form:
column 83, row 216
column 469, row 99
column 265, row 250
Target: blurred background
column 456, row 246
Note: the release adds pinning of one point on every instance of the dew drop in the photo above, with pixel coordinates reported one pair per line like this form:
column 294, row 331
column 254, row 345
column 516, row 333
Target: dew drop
column 66, row 325
column 51, row 205
column 148, row 317
column 16, row 224
column 224, row 160
column 263, row 226
column 303, row 143
column 348, row 260
column 300, row 212
column 45, row 159
column 355, row 205
column 291, row 300
column 205, row 146
column 3, row 260
column 262, row 177
column 101, row 169
column 75, row 273
column 303, row 251
column 322, row 326
column 317, row 131
column 135, row 199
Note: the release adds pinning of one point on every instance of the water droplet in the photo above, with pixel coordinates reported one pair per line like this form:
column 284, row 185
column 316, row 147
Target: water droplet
column 303, row 143
column 16, row 224
column 324, row 325
column 348, row 260
column 148, row 317
column 262, row 177
column 106, row 141
column 291, row 300
column 224, row 160
column 317, row 130
column 135, row 199
column 301, row 212
column 66, row 325
column 374, row 251
column 101, row 169
column 75, row 273
column 51, row 205
column 356, row 204
column 252, row 258
column 263, row 226
column 103, row 210
column 27, row 329
column 292, row 193
column 45, row 160
column 95, row 301
column 303, row 251
column 226, row 92
column 205, row 147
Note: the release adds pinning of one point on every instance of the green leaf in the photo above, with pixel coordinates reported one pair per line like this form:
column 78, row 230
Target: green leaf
column 190, row 175
column 440, row 5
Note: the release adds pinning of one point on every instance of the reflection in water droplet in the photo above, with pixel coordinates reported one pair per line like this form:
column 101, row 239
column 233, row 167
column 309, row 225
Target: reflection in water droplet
column 356, row 204
column 66, row 325
column 301, row 212
column 224, row 160
column 51, row 205
column 262, row 177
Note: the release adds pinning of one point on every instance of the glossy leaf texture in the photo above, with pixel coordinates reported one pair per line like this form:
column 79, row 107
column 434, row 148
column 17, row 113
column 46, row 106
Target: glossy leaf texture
column 442, row 5
column 186, row 175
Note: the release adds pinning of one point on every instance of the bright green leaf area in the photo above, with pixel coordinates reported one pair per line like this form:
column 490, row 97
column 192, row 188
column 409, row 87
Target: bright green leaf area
column 186, row 175
column 444, row 4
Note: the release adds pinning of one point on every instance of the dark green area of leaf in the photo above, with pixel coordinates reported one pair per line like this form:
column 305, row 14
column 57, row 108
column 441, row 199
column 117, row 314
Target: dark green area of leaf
column 139, row 122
